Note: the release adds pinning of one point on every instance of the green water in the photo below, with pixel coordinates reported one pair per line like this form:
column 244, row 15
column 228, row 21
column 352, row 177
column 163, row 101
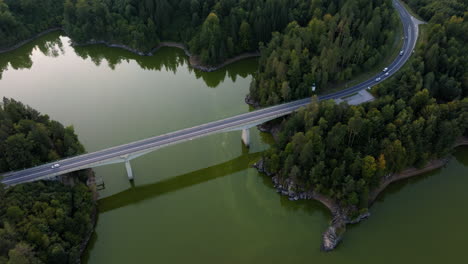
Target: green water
column 200, row 202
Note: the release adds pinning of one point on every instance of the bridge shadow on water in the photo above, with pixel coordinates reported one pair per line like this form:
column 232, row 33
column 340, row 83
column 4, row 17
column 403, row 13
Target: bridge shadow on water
column 144, row 192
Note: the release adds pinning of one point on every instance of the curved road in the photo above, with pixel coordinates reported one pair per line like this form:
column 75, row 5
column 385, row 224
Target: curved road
column 120, row 153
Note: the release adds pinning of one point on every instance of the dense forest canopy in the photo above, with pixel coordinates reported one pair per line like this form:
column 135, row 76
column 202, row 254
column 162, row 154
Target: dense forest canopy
column 21, row 19
column 28, row 138
column 214, row 29
column 332, row 47
column 438, row 12
column 345, row 151
column 338, row 150
column 44, row 222
column 41, row 222
column 441, row 64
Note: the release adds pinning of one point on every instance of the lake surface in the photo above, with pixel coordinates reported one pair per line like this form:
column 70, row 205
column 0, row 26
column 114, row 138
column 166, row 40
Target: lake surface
column 200, row 202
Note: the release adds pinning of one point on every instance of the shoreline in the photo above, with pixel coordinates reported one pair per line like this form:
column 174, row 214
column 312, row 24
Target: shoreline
column 70, row 179
column 26, row 41
column 91, row 183
column 405, row 174
column 412, row 172
column 333, row 235
column 194, row 60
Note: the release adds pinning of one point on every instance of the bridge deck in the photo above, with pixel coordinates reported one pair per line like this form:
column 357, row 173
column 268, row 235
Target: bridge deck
column 132, row 150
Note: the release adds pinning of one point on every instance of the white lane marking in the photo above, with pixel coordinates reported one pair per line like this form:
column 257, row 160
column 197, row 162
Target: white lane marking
column 169, row 140
column 223, row 126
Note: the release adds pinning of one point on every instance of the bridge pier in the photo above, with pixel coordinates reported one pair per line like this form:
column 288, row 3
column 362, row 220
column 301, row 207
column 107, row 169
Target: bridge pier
column 128, row 166
column 246, row 137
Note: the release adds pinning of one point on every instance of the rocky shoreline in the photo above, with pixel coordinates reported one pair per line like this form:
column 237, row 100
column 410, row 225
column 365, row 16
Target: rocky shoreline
column 333, row 235
column 248, row 100
column 272, row 127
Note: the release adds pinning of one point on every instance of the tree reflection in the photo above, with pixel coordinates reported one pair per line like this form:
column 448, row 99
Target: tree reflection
column 165, row 59
column 461, row 154
column 50, row 45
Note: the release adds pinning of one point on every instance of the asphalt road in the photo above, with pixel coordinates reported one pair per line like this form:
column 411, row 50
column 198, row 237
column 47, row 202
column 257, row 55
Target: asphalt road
column 99, row 157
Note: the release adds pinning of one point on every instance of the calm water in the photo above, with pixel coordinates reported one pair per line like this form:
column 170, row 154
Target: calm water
column 199, row 202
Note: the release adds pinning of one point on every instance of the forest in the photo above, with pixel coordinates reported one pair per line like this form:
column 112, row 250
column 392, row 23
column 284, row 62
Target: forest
column 213, row 29
column 344, row 151
column 22, row 19
column 441, row 63
column 44, row 222
column 338, row 150
column 28, row 138
column 332, row 47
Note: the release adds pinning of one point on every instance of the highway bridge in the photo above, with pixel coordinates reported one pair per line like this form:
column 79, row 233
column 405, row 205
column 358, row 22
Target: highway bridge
column 125, row 153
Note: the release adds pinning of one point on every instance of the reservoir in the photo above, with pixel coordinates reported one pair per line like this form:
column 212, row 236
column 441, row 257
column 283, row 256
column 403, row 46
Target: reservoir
column 200, row 201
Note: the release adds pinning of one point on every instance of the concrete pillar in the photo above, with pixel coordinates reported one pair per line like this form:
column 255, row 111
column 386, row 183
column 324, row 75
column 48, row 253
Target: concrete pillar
column 128, row 166
column 246, row 137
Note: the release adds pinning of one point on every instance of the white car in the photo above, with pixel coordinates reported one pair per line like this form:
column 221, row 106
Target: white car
column 378, row 79
column 386, row 74
column 56, row 165
column 385, row 69
column 401, row 53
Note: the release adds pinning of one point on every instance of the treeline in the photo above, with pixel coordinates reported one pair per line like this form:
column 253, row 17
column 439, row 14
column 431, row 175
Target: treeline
column 41, row 222
column 22, row 19
column 344, row 151
column 44, row 222
column 169, row 61
column 49, row 45
column 213, row 29
column 334, row 46
column 28, row 138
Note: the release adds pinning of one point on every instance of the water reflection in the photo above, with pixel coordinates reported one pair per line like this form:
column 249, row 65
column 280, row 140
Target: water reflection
column 50, row 45
column 166, row 59
column 462, row 155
